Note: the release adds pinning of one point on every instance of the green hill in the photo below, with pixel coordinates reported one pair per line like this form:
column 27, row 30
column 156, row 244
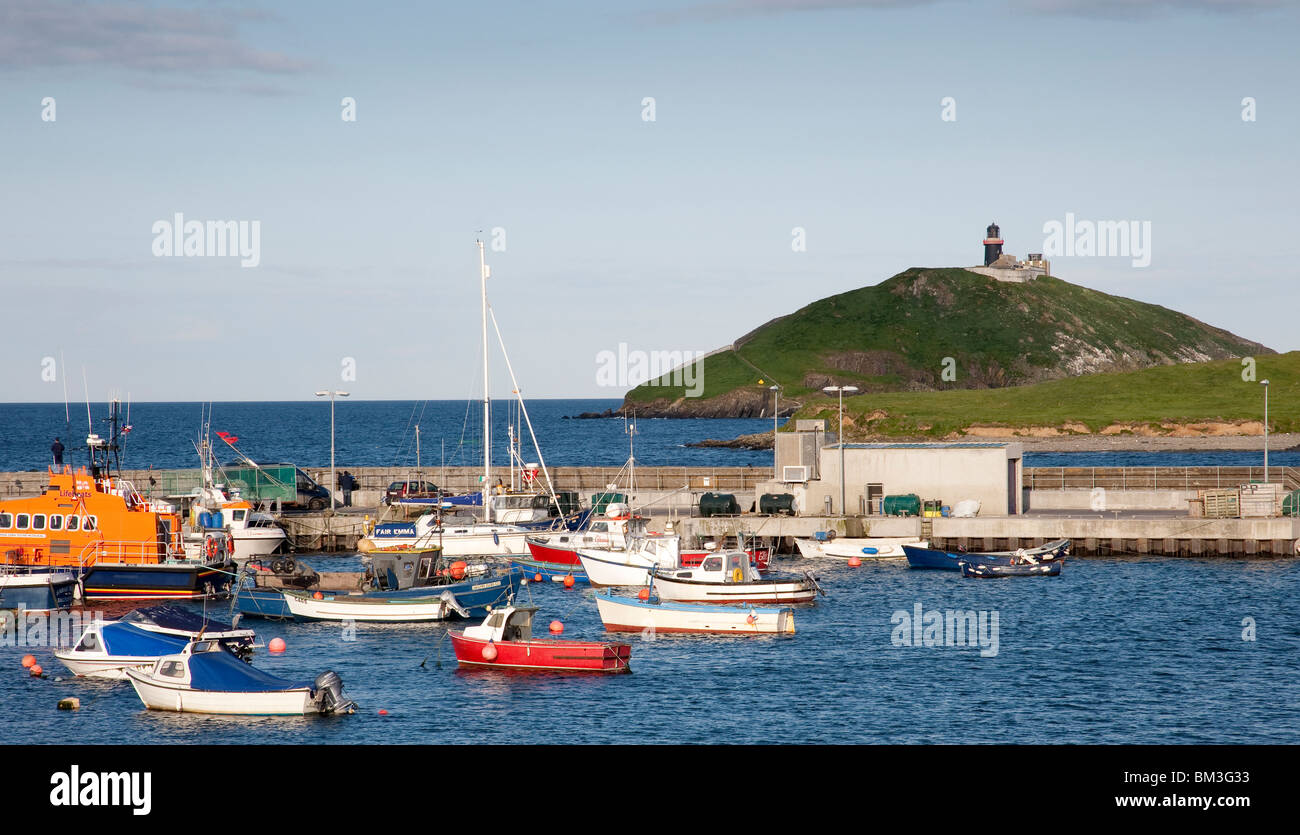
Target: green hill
column 1204, row 398
column 898, row 336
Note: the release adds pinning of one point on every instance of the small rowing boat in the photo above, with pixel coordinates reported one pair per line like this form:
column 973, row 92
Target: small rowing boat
column 934, row 558
column 872, row 548
column 630, row 614
column 986, row 570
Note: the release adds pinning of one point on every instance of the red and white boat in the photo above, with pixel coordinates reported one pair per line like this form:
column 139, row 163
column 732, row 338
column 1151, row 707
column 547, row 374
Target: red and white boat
column 504, row 641
column 728, row 577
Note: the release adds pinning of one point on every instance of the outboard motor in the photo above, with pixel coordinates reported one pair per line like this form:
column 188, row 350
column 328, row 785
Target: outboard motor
column 449, row 602
column 328, row 694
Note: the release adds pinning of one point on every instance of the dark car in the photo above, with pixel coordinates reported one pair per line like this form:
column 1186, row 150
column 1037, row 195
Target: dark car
column 399, row 490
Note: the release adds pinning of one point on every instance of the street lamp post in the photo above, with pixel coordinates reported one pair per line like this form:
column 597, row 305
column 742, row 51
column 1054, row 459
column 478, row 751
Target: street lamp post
column 1264, row 383
column 333, row 479
column 776, row 415
column 843, row 476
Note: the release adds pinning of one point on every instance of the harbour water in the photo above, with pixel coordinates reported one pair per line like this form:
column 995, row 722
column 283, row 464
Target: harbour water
column 1115, row 650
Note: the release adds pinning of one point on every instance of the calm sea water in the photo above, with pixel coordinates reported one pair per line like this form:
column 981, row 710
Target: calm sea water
column 381, row 433
column 1116, row 650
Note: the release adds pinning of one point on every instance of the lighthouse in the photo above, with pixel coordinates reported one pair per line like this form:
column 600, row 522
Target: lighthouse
column 992, row 244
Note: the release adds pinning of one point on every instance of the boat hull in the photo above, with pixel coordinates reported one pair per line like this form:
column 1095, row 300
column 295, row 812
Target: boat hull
column 38, row 592
column 623, row 614
column 985, row 571
column 411, row 606
column 544, row 656
column 606, row 570
column 940, row 560
column 165, row 581
column 753, row 591
column 180, row 699
column 872, row 548
column 553, row 571
column 108, row 667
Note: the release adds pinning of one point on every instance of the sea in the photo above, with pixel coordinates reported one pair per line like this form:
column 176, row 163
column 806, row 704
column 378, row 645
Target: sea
column 1120, row 649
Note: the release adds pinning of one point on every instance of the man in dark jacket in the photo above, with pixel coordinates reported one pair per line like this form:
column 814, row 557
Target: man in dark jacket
column 348, row 483
column 57, row 449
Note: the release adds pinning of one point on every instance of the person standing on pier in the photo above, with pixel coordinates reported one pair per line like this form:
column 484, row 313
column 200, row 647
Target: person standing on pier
column 57, row 449
column 348, row 483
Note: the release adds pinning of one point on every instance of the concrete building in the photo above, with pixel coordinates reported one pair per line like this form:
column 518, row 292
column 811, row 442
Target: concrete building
column 1006, row 267
column 990, row 473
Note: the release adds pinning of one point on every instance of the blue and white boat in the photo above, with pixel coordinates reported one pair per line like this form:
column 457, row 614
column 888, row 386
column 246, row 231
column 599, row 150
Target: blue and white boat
column 204, row 678
column 38, row 591
column 107, row 649
column 398, row 587
column 987, row 571
column 938, row 559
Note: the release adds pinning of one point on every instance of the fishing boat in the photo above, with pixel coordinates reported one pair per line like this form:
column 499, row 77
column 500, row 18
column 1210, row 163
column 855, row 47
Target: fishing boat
column 37, row 591
column 987, row 570
column 630, row 614
column 205, row 678
column 220, row 519
column 933, row 558
column 403, row 586
column 869, row 548
column 504, row 640
column 630, row 567
column 91, row 523
column 728, row 577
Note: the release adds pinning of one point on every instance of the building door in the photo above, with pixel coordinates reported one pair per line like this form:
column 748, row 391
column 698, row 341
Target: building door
column 1011, row 486
column 875, row 495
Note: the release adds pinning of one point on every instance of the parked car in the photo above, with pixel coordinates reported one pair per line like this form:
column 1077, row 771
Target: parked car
column 399, row 490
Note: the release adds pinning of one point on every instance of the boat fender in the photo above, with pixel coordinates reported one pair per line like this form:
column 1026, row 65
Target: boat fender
column 290, row 566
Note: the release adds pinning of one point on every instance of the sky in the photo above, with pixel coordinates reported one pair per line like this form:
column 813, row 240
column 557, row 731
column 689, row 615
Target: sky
column 527, row 125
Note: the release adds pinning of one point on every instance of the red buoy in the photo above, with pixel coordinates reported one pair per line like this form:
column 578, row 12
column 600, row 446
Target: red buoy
column 490, row 652
column 644, row 594
column 855, row 561
column 28, row 661
column 557, row 627
column 537, row 578
column 458, row 570
column 383, row 712
column 276, row 646
column 568, row 581
column 36, row 669
column 318, row 596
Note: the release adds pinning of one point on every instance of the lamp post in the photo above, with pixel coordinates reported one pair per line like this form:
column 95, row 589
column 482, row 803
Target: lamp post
column 333, row 479
column 776, row 416
column 1264, row 383
column 843, row 476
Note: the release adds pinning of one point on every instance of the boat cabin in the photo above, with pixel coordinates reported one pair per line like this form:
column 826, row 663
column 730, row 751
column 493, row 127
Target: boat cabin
column 722, row 567
column 509, row 623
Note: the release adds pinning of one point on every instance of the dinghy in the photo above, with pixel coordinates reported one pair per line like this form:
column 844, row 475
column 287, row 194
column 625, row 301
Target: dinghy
column 381, row 608
column 205, row 678
column 630, row 614
column 504, row 640
column 873, row 548
column 985, row 570
column 728, row 577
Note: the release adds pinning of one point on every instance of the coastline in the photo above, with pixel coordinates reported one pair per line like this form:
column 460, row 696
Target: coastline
column 1069, row 443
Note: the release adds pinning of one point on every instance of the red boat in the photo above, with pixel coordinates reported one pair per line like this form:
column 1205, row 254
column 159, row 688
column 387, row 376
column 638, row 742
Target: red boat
column 557, row 554
column 504, row 641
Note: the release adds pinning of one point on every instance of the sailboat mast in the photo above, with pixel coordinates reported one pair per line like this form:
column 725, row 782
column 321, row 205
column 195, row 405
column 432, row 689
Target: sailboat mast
column 487, row 400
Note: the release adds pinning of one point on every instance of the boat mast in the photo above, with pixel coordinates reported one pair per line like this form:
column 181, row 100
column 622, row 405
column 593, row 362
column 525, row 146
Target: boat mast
column 417, row 453
column 487, row 401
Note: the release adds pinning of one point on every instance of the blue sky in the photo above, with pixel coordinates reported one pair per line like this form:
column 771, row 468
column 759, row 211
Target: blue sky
column 667, row 235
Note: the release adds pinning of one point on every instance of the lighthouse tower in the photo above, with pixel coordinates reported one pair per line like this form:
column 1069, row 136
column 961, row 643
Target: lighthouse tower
column 992, row 244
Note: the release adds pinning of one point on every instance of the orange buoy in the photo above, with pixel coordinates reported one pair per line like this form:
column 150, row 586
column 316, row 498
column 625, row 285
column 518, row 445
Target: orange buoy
column 318, row 596
column 537, row 578
column 277, row 645
column 383, row 712
column 28, row 661
column 855, row 561
column 458, row 570
column 490, row 652
column 557, row 627
column 568, row 581
column 36, row 669
column 644, row 594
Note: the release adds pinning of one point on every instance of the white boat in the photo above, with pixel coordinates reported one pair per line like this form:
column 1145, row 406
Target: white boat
column 204, row 678
column 472, row 539
column 628, row 614
column 633, row 566
column 728, row 577
column 222, row 523
column 376, row 608
column 872, row 548
column 108, row 648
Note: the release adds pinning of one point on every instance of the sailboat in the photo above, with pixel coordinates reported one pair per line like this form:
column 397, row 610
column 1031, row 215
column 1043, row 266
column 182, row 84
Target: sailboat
column 491, row 536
